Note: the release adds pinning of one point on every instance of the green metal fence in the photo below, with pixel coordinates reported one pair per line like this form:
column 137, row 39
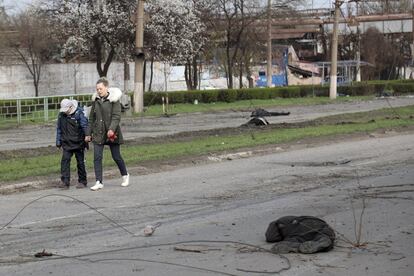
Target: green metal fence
column 40, row 109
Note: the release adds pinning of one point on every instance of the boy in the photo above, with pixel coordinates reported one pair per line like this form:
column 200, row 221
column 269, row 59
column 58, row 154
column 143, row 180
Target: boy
column 70, row 136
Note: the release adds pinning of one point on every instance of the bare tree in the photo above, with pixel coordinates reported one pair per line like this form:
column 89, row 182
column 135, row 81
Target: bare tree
column 387, row 57
column 384, row 6
column 230, row 19
column 31, row 42
column 252, row 49
column 236, row 33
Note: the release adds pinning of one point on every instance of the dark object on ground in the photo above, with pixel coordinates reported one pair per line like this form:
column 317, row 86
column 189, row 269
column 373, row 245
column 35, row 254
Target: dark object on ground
column 302, row 234
column 43, row 254
column 260, row 112
column 257, row 121
column 384, row 93
column 259, row 115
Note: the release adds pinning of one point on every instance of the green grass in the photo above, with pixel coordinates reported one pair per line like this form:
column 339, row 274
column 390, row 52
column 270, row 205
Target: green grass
column 18, row 168
column 156, row 110
column 37, row 117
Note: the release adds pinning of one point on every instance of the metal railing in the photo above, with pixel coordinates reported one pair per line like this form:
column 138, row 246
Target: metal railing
column 40, row 109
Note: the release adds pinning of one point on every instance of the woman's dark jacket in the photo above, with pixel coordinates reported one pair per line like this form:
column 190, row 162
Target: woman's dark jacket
column 105, row 114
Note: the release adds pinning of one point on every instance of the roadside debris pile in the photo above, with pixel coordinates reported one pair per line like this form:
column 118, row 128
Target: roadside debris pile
column 259, row 114
column 303, row 234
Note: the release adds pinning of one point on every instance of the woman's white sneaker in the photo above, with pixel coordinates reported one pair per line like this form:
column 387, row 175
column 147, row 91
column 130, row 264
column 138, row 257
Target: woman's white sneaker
column 125, row 180
column 98, row 185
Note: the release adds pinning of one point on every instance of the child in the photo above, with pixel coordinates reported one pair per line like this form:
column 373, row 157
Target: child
column 70, row 136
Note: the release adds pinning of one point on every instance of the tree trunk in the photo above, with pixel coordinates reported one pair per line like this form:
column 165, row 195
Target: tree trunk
column 187, row 75
column 241, row 75
column 108, row 61
column 195, row 74
column 36, row 85
column 145, row 74
column 99, row 56
column 98, row 49
column 191, row 74
column 36, row 77
column 229, row 69
column 126, row 75
column 151, row 74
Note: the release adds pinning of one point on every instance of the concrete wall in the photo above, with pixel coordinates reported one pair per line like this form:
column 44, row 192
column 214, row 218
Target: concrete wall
column 55, row 79
column 73, row 78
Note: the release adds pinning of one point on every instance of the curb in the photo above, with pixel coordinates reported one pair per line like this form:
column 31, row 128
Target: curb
column 16, row 187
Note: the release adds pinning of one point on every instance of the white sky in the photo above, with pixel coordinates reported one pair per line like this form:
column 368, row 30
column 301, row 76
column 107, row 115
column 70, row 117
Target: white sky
column 15, row 5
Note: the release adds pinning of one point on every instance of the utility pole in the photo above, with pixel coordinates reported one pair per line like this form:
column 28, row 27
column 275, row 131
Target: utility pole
column 269, row 72
column 412, row 27
column 358, row 56
column 139, row 58
column 334, row 53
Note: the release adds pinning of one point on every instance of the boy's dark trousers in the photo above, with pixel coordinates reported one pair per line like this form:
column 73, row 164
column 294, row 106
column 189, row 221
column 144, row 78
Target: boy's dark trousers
column 65, row 165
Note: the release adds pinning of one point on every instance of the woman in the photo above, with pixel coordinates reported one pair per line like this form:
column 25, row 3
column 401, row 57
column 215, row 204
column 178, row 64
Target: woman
column 104, row 129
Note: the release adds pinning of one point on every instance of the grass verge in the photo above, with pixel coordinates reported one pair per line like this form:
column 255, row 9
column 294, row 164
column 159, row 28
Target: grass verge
column 156, row 110
column 17, row 168
column 37, row 117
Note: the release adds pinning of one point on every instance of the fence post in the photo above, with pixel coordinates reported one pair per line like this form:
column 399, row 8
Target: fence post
column 19, row 111
column 46, row 108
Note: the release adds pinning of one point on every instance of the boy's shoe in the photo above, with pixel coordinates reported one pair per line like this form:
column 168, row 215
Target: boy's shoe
column 81, row 185
column 125, row 180
column 63, row 186
column 98, row 185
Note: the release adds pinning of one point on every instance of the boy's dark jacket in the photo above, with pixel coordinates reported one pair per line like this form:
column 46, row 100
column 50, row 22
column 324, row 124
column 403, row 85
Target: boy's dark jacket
column 71, row 129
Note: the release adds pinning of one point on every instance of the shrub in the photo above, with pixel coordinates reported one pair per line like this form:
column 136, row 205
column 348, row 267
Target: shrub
column 209, row 96
column 227, row 95
column 245, row 94
column 190, row 96
column 176, row 97
column 151, row 98
column 289, row 92
column 402, row 88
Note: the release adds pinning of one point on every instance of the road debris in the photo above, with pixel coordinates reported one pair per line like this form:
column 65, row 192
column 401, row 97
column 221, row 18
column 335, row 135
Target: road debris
column 43, row 254
column 194, row 248
column 150, row 229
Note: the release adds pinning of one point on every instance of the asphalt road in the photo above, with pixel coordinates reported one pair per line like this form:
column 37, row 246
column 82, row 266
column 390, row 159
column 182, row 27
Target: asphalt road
column 216, row 206
column 41, row 136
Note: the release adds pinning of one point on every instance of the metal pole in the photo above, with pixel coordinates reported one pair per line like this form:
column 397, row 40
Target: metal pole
column 334, row 53
column 139, row 58
column 19, row 111
column 269, row 44
column 46, row 108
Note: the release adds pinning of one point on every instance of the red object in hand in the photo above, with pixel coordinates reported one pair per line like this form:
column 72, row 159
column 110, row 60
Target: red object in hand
column 111, row 135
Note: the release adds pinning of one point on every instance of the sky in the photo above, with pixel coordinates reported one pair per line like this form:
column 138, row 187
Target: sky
column 15, row 5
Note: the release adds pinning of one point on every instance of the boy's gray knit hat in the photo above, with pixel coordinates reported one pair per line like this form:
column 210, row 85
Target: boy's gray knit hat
column 66, row 104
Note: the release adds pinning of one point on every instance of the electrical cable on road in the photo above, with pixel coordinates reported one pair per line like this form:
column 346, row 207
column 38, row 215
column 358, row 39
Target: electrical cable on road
column 70, row 197
column 255, row 248
column 80, row 257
